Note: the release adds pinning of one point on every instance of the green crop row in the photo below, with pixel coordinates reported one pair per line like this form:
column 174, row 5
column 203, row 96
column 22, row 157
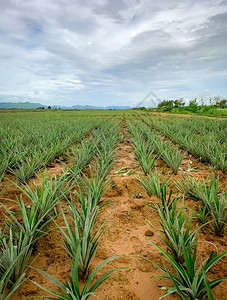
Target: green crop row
column 30, row 144
column 189, row 279
column 146, row 142
column 31, row 140
column 81, row 241
column 203, row 138
column 188, row 275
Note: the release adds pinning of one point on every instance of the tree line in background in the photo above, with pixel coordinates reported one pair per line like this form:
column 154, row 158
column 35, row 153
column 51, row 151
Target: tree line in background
column 216, row 106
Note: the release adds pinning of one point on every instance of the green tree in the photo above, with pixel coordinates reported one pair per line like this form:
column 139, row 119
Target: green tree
column 222, row 104
column 167, row 105
column 193, row 105
column 179, row 102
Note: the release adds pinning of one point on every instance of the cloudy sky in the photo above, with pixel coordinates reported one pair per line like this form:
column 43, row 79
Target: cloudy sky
column 111, row 52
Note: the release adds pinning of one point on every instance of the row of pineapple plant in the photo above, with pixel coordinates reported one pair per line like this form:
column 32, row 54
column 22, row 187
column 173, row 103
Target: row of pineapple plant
column 28, row 145
column 35, row 219
column 212, row 201
column 20, row 235
column 181, row 240
column 146, row 143
column 81, row 239
column 189, row 280
column 204, row 138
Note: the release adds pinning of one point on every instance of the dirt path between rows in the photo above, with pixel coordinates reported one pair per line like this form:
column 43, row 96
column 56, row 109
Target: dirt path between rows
column 126, row 234
column 129, row 232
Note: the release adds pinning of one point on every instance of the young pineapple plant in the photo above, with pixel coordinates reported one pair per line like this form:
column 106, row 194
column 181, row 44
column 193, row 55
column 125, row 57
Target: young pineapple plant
column 188, row 281
column 176, row 231
column 81, row 157
column 144, row 153
column 26, row 168
column 143, row 148
column 81, row 235
column 71, row 289
column 176, row 228
column 93, row 187
column 167, row 201
column 202, row 214
column 198, row 189
column 172, row 157
column 4, row 162
column 208, row 192
column 32, row 221
column 27, row 228
column 14, row 255
column 204, row 139
column 217, row 206
column 153, row 184
column 46, row 195
column 104, row 162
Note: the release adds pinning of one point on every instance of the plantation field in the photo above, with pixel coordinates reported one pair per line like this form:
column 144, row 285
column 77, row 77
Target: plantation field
column 102, row 202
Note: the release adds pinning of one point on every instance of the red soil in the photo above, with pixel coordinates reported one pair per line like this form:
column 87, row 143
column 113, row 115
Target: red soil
column 126, row 233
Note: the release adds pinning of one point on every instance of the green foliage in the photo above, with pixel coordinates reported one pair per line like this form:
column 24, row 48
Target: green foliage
column 81, row 236
column 222, row 103
column 26, row 169
column 146, row 142
column 193, row 106
column 48, row 193
column 179, row 102
column 202, row 214
column 171, row 156
column 208, row 192
column 176, row 230
column 4, row 162
column 81, row 157
column 31, row 140
column 144, row 153
column 193, row 188
column 152, row 184
column 14, row 255
column 24, row 232
column 203, row 138
column 166, row 104
column 217, row 206
column 166, row 203
column 189, row 282
column 29, row 224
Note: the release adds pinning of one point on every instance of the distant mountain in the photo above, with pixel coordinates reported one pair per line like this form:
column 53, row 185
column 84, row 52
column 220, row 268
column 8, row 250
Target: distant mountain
column 78, row 107
column 21, row 105
column 117, row 107
column 29, row 105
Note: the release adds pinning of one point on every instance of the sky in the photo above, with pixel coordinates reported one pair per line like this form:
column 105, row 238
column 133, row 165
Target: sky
column 112, row 52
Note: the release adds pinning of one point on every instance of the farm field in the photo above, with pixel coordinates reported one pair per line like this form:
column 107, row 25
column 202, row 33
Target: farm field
column 79, row 188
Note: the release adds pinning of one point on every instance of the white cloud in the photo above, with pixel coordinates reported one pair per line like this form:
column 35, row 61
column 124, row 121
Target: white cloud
column 97, row 52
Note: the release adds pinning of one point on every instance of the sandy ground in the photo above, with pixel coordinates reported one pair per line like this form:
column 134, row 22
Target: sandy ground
column 126, row 233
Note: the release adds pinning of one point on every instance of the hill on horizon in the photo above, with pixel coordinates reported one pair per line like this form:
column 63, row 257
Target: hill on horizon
column 29, row 105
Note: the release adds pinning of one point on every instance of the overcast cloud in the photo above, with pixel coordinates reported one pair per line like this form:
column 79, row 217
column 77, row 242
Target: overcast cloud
column 111, row 52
